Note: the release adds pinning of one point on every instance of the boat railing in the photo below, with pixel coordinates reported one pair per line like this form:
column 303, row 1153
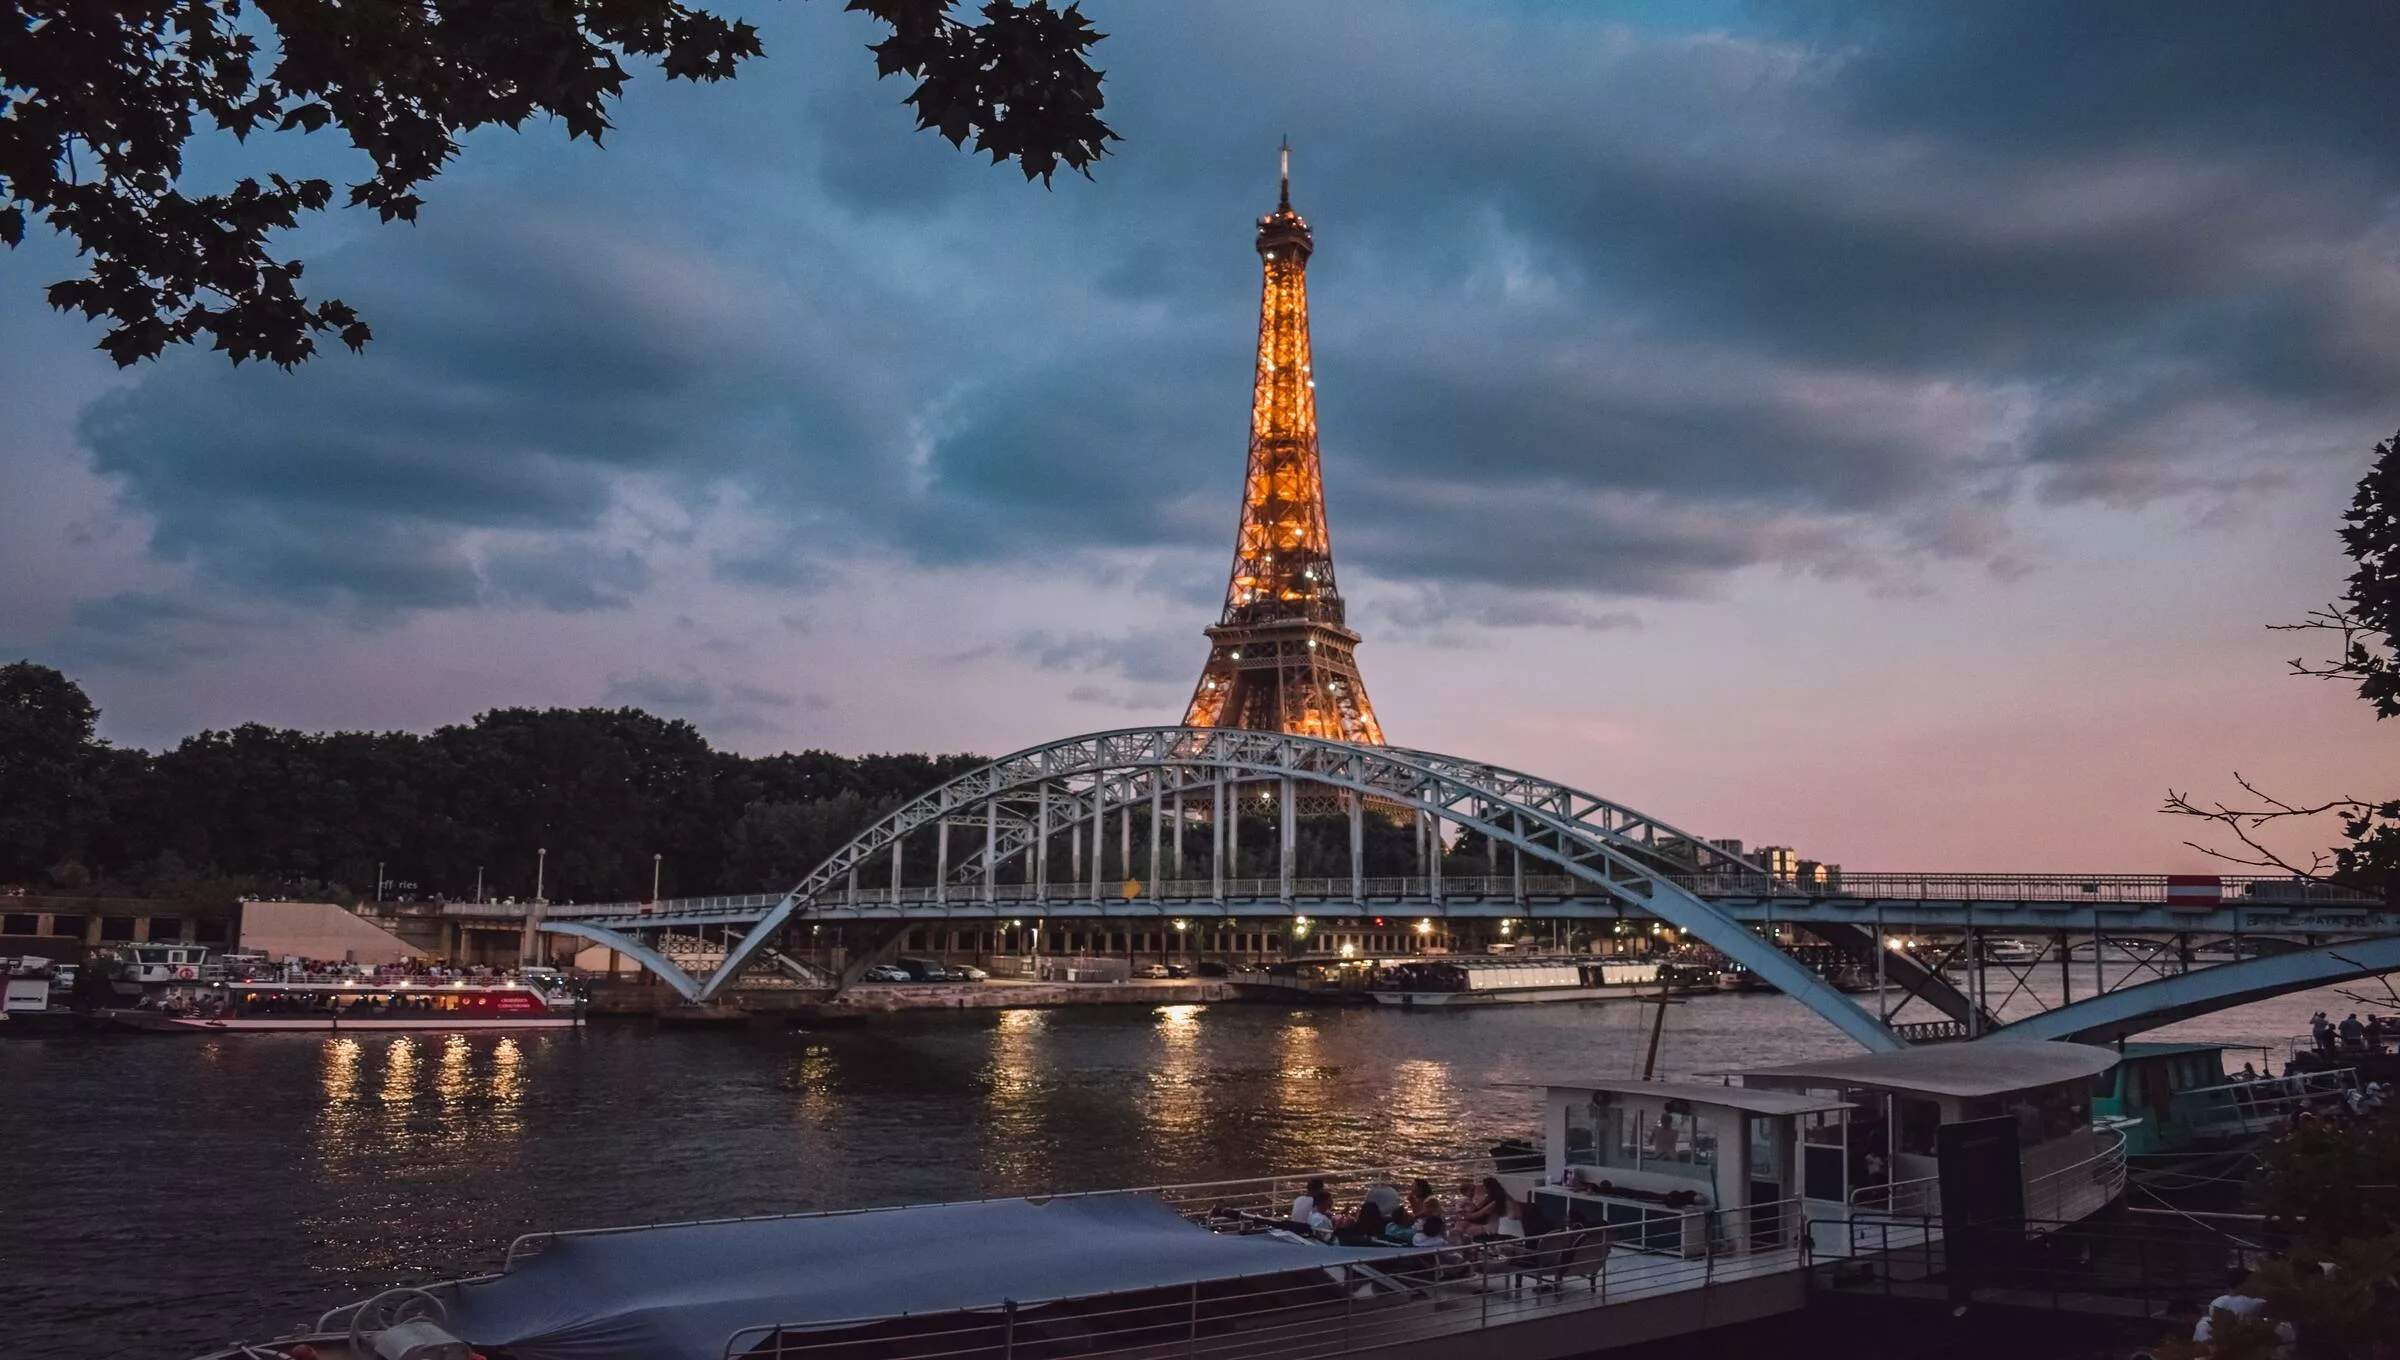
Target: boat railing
column 1907, row 1199
column 1194, row 1199
column 2376, row 1046
column 2079, row 1188
column 2256, row 1106
column 1308, row 1310
column 386, row 981
column 2066, row 1192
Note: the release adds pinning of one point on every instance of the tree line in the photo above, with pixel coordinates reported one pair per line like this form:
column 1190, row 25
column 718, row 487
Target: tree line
column 273, row 811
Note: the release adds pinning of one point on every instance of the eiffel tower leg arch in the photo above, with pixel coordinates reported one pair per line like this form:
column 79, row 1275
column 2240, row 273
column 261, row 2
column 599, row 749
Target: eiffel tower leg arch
column 1628, row 856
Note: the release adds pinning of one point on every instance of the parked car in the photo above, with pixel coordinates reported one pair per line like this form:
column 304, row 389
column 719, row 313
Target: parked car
column 1152, row 970
column 885, row 972
column 967, row 972
column 923, row 970
column 1179, row 970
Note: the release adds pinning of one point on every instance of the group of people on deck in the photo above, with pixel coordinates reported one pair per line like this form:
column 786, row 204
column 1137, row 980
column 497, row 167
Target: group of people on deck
column 2350, row 1036
column 1420, row 1218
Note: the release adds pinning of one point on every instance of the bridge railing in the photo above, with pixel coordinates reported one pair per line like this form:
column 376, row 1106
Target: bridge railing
column 1418, row 891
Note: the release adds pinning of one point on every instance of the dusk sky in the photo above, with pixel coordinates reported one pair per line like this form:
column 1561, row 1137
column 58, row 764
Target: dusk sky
column 1882, row 429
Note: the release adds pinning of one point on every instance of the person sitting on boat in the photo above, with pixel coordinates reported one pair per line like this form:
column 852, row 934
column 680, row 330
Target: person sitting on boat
column 1420, row 1202
column 1484, row 1216
column 2248, row 1073
column 1455, row 1208
column 1362, row 1226
column 1431, row 1232
column 1313, row 1207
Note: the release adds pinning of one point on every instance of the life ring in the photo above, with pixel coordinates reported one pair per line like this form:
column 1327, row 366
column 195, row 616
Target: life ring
column 186, row 971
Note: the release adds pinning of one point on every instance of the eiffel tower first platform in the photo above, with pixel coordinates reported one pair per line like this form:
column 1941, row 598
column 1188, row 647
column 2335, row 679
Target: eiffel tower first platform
column 1281, row 657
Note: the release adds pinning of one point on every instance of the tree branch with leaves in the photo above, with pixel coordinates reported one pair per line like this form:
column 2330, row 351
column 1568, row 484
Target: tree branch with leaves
column 2366, row 622
column 101, row 99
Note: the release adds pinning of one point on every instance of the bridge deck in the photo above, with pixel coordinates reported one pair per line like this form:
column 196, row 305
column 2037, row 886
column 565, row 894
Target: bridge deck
column 2117, row 903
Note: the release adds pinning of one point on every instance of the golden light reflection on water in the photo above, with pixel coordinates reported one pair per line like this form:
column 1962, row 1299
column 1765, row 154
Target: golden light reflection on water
column 1012, row 1151
column 339, row 1118
column 400, row 1072
column 452, row 1080
column 1424, row 1100
column 816, row 1105
column 508, row 1089
column 1177, row 1107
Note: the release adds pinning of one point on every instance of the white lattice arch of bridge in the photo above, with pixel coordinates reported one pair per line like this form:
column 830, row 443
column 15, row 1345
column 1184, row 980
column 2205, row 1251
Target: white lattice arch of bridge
column 1017, row 803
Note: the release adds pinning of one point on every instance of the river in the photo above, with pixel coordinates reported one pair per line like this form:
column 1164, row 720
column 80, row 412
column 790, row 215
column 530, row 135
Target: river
column 159, row 1195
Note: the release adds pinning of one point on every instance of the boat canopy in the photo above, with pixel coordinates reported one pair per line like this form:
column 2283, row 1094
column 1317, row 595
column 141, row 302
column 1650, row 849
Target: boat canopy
column 680, row 1292
column 1753, row 1099
column 1970, row 1070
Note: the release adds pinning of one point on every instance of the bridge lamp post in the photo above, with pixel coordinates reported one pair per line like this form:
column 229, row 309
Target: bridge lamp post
column 655, row 861
column 529, row 948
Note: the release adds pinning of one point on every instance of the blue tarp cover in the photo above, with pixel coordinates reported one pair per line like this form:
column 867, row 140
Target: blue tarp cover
column 678, row 1293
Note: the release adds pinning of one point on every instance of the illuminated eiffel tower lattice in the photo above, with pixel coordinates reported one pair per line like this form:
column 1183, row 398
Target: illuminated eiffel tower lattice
column 1281, row 658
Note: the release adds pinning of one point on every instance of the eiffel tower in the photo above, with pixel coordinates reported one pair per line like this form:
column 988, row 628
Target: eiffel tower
column 1280, row 656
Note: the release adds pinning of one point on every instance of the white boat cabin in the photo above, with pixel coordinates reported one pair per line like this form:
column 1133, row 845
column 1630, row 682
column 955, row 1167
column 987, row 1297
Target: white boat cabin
column 1642, row 1156
column 1879, row 1154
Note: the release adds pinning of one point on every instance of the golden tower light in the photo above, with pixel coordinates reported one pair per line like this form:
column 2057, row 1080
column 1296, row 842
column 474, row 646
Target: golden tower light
column 1281, row 655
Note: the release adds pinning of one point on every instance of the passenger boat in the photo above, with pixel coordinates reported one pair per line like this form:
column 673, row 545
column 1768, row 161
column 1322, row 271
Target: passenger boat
column 1659, row 1209
column 1511, row 980
column 2176, row 1100
column 25, row 1009
column 2378, row 1061
column 309, row 1002
column 2189, row 1128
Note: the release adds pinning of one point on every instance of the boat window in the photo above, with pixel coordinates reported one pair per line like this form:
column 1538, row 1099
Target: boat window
column 1587, row 1123
column 2050, row 1113
column 1681, row 1142
column 1822, row 1128
column 1766, row 1148
column 1920, row 1126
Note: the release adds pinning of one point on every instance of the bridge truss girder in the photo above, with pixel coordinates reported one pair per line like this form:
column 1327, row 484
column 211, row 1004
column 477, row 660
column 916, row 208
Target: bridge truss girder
column 2179, row 996
column 1607, row 846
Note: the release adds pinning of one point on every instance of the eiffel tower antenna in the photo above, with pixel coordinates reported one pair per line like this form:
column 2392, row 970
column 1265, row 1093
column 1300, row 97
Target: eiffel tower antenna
column 1281, row 655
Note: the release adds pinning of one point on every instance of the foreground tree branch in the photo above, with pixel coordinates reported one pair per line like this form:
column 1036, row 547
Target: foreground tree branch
column 2367, row 620
column 99, row 100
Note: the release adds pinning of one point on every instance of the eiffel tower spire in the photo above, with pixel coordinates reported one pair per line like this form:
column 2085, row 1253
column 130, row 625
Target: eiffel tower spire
column 1280, row 658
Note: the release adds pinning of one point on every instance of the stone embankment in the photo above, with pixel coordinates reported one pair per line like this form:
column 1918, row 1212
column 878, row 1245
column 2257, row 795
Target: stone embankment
column 767, row 1004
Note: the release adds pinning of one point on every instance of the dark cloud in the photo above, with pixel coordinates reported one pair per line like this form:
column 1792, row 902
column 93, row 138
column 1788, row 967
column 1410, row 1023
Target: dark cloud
column 1149, row 657
column 139, row 631
column 1827, row 294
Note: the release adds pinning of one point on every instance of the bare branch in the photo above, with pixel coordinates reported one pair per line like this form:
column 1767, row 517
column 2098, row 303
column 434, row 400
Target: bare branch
column 2244, row 822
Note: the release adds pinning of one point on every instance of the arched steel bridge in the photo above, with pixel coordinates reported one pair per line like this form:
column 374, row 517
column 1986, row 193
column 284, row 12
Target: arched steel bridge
column 1572, row 854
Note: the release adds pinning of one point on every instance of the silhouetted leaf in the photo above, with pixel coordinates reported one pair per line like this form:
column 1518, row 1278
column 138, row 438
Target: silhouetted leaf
column 404, row 80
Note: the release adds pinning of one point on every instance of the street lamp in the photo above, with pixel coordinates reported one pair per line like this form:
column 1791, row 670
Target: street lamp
column 541, row 866
column 655, row 860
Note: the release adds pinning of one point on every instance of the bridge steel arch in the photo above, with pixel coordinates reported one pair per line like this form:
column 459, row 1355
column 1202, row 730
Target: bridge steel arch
column 668, row 970
column 2148, row 1005
column 1017, row 802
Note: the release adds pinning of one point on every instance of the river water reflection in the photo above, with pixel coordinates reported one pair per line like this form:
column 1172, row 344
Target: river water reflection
column 158, row 1195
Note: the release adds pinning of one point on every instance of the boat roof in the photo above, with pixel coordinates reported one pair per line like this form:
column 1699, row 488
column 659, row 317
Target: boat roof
column 2157, row 1050
column 1977, row 1068
column 680, row 1292
column 1754, row 1099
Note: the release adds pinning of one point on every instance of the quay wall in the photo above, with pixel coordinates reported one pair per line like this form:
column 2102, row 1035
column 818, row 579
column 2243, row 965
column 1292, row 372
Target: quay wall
column 638, row 998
